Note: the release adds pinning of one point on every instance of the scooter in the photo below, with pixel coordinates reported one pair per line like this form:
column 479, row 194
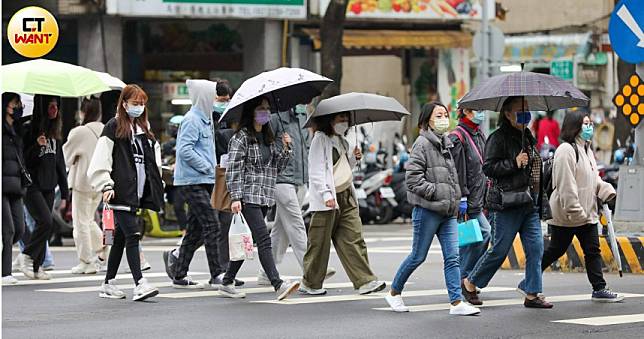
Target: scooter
column 161, row 224
column 376, row 198
column 404, row 208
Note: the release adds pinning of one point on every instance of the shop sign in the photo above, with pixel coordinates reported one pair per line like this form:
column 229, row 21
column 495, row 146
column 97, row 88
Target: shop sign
column 175, row 90
column 562, row 69
column 413, row 9
column 245, row 9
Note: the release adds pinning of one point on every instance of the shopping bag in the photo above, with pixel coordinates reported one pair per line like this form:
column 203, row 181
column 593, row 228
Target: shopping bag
column 108, row 225
column 220, row 198
column 469, row 232
column 240, row 239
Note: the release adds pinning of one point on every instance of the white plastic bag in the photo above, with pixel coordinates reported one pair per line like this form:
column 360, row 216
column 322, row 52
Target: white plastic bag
column 240, row 239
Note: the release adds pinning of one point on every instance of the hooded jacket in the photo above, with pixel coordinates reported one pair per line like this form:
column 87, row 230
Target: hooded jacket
column 297, row 170
column 195, row 160
column 78, row 151
column 46, row 164
column 577, row 186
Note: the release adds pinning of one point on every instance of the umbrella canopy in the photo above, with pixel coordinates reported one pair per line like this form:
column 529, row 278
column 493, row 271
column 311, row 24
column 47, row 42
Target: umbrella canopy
column 42, row 76
column 366, row 107
column 111, row 81
column 284, row 87
column 542, row 92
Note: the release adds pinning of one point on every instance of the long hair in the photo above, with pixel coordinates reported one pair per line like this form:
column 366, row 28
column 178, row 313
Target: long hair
column 572, row 126
column 8, row 97
column 124, row 123
column 40, row 123
column 426, row 113
column 323, row 123
column 92, row 109
column 248, row 122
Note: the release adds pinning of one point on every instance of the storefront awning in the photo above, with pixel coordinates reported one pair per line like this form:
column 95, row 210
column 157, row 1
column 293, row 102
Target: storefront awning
column 545, row 48
column 394, row 39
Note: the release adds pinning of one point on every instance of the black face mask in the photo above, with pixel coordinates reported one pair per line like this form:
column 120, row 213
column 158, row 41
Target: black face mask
column 17, row 113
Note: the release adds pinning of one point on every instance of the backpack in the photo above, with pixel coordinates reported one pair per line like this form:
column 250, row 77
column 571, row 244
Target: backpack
column 547, row 172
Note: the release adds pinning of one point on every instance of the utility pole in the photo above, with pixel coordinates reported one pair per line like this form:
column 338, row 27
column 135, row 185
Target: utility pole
column 484, row 65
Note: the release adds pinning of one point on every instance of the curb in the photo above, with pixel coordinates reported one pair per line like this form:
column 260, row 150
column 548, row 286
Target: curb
column 631, row 250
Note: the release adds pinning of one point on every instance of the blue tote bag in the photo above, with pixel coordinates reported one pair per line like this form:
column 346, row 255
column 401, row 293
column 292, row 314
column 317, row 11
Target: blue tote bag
column 469, row 232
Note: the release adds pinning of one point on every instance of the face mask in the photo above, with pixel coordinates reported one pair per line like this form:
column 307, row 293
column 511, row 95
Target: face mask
column 479, row 117
column 341, row 127
column 52, row 112
column 441, row 125
column 300, row 109
column 523, row 118
column 263, row 116
column 17, row 113
column 587, row 132
column 220, row 106
column 135, row 111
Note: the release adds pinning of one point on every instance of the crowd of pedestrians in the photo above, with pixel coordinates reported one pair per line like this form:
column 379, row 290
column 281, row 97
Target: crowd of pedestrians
column 271, row 159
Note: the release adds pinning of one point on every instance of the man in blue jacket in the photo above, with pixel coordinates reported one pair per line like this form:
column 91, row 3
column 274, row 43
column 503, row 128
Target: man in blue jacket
column 195, row 176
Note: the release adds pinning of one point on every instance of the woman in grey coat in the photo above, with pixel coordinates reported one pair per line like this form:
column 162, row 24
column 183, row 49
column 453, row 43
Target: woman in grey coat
column 432, row 187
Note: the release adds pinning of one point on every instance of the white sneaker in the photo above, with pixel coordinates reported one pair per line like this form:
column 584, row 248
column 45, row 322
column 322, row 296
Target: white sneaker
column 330, row 271
column 9, row 280
column 229, row 291
column 372, row 287
column 463, row 308
column 311, row 291
column 17, row 263
column 262, row 279
column 396, row 303
column 100, row 265
column 287, row 289
column 84, row 268
column 111, row 291
column 48, row 268
column 27, row 267
column 42, row 275
column 144, row 290
column 145, row 266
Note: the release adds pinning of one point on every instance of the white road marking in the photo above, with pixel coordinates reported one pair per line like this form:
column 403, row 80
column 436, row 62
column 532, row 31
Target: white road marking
column 375, row 296
column 252, row 290
column 606, row 320
column 93, row 277
column 504, row 302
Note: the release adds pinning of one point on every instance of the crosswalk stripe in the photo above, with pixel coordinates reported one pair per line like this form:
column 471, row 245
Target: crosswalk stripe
column 252, row 290
column 54, row 272
column 606, row 320
column 93, row 277
column 504, row 302
column 374, row 296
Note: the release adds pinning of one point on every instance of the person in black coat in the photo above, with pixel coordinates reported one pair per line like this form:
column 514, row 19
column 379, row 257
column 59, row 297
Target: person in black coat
column 46, row 163
column 13, row 183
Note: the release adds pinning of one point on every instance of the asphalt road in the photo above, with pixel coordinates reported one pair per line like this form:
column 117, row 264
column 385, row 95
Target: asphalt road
column 69, row 307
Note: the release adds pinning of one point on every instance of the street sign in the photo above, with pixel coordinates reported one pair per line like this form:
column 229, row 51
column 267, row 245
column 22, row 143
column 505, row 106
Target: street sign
column 630, row 100
column 562, row 68
column 625, row 30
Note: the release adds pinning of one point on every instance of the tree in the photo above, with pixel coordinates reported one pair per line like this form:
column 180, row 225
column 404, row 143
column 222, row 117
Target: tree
column 331, row 32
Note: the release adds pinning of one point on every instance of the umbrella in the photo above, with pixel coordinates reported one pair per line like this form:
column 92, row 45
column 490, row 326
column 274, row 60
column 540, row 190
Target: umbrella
column 613, row 240
column 111, row 81
column 542, row 92
column 42, row 76
column 366, row 107
column 284, row 87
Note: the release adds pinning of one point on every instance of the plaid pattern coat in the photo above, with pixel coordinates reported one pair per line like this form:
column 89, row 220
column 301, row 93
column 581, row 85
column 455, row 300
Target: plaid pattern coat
column 249, row 178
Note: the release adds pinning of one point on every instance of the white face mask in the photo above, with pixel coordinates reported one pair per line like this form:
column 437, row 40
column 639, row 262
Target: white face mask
column 341, row 127
column 441, row 125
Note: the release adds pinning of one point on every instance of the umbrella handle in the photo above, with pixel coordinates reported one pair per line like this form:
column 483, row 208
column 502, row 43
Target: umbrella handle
column 355, row 126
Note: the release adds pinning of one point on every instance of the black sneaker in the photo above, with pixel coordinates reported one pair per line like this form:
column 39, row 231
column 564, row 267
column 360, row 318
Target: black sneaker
column 239, row 283
column 187, row 283
column 606, row 296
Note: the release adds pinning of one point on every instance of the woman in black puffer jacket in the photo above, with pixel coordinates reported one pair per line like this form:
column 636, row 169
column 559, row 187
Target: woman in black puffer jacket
column 13, row 185
column 513, row 164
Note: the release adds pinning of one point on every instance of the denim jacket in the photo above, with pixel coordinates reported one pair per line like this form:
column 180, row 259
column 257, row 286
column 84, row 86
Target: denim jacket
column 195, row 160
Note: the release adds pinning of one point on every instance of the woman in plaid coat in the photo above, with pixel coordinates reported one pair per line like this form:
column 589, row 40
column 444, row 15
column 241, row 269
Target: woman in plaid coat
column 254, row 160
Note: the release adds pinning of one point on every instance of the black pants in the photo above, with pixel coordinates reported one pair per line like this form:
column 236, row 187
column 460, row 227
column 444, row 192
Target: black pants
column 175, row 197
column 560, row 240
column 254, row 215
column 127, row 234
column 13, row 226
column 202, row 226
column 39, row 204
column 225, row 219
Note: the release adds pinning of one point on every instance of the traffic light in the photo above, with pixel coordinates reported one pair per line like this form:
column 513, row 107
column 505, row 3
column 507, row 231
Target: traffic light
column 630, row 100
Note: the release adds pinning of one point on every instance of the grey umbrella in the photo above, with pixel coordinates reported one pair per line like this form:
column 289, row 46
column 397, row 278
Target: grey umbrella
column 364, row 107
column 542, row 92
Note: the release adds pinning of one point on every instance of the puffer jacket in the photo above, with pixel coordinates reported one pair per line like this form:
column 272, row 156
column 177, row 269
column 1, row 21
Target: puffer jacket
column 432, row 180
column 577, row 186
column 11, row 155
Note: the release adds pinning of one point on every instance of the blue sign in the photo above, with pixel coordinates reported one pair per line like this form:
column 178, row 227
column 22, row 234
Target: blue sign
column 626, row 30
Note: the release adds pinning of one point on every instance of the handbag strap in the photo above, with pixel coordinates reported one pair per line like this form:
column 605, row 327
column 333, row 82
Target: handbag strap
column 460, row 130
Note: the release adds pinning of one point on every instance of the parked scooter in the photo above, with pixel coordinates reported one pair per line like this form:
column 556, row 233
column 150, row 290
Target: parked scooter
column 404, row 208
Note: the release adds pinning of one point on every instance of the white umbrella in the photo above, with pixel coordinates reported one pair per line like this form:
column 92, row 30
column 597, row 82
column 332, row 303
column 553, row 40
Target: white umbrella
column 111, row 81
column 284, row 87
column 613, row 240
column 365, row 108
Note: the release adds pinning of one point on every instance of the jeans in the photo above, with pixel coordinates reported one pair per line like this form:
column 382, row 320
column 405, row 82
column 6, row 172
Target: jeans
column 13, row 225
column 127, row 235
column 471, row 254
column 428, row 224
column 505, row 226
column 560, row 240
column 30, row 224
column 254, row 215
